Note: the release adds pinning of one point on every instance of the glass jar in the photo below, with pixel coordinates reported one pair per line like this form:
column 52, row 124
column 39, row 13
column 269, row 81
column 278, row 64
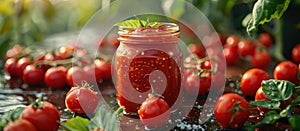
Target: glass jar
column 148, row 60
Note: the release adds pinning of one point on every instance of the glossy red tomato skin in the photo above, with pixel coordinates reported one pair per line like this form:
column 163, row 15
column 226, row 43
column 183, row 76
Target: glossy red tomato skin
column 194, row 85
column 232, row 41
column 206, row 65
column 246, row 48
column 231, row 54
column 197, row 49
column 94, row 75
column 14, row 51
column 33, row 75
column 224, row 104
column 55, row 77
column 261, row 59
column 21, row 65
column 286, row 70
column 19, row 125
column 44, row 119
column 104, row 68
column 154, row 112
column 260, row 95
column 265, row 39
column 251, row 81
column 75, row 76
column 10, row 67
column 81, row 100
column 296, row 53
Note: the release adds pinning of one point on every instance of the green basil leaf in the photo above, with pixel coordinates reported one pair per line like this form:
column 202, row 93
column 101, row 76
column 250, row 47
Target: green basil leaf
column 76, row 124
column 264, row 11
column 104, row 119
column 266, row 104
column 294, row 121
column 277, row 90
column 285, row 112
column 131, row 24
column 11, row 116
column 269, row 118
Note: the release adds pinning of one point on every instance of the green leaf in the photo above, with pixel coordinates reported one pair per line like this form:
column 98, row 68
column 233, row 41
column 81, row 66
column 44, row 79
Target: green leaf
column 76, row 124
column 277, row 90
column 105, row 119
column 296, row 101
column 294, row 121
column 11, row 116
column 264, row 11
column 269, row 118
column 286, row 111
column 266, row 104
column 134, row 24
column 174, row 8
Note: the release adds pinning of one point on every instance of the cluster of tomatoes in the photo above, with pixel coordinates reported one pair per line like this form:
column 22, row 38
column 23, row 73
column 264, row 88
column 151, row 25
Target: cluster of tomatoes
column 67, row 65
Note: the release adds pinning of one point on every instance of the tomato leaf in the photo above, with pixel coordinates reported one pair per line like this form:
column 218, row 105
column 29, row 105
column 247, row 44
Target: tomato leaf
column 11, row 116
column 277, row 90
column 294, row 121
column 264, row 11
column 269, row 118
column 76, row 124
column 105, row 119
column 134, row 24
column 266, row 104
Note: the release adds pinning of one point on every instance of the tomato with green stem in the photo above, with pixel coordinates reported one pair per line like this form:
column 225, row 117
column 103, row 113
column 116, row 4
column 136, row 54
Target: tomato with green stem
column 197, row 85
column 75, row 76
column 260, row 95
column 286, row 70
column 261, row 58
column 251, row 81
column 19, row 125
column 82, row 99
column 43, row 115
column 33, row 75
column 21, row 65
column 154, row 112
column 231, row 110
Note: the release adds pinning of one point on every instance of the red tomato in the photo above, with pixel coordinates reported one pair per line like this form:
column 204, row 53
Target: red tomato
column 33, row 75
column 231, row 54
column 154, row 112
column 195, row 85
column 260, row 95
column 94, row 75
column 224, row 110
column 81, row 100
column 55, row 77
column 232, row 41
column 261, row 59
column 197, row 49
column 52, row 57
column 296, row 53
column 104, row 68
column 44, row 119
column 251, row 81
column 265, row 39
column 206, row 65
column 286, row 70
column 75, row 76
column 15, row 51
column 22, row 63
column 10, row 67
column 65, row 52
column 19, row 125
column 246, row 47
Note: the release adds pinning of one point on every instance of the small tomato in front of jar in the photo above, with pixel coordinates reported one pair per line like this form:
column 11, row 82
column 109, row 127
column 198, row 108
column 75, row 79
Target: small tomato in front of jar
column 286, row 70
column 33, row 75
column 19, row 125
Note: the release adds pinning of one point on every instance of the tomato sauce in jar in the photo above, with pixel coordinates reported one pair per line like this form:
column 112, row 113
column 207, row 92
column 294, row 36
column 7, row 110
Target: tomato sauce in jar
column 147, row 60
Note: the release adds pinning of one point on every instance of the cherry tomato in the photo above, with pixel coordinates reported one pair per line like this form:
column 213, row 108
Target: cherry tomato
column 94, row 75
column 55, row 77
column 197, row 49
column 195, row 85
column 260, row 95
column 251, row 81
column 231, row 54
column 33, row 75
column 286, row 70
column 206, row 65
column 81, row 100
column 21, row 65
column 154, row 112
column 296, row 53
column 246, row 47
column 261, row 59
column 75, row 76
column 232, row 41
column 65, row 52
column 15, row 51
column 227, row 105
column 19, row 125
column 104, row 68
column 44, row 118
column 265, row 39
column 52, row 57
column 10, row 67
